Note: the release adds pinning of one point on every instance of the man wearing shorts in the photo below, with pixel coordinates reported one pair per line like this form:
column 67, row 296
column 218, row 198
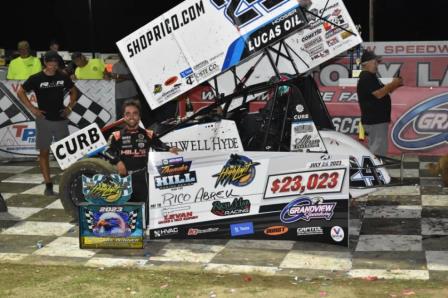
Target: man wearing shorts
column 49, row 85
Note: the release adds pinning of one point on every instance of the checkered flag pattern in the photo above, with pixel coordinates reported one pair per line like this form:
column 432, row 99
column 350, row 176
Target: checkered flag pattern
column 89, row 219
column 9, row 112
column 126, row 182
column 86, row 112
column 133, row 220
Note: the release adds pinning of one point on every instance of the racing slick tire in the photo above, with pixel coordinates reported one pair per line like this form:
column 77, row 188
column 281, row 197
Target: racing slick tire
column 70, row 186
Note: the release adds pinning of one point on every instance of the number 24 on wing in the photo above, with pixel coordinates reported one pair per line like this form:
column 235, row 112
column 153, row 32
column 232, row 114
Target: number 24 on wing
column 290, row 184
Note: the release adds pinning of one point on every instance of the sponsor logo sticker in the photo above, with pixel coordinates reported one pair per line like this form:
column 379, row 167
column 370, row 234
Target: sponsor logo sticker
column 239, row 171
column 337, row 233
column 245, row 228
column 306, row 209
column 276, row 230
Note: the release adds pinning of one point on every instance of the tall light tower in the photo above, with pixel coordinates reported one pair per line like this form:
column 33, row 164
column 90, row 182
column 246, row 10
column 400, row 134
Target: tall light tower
column 371, row 20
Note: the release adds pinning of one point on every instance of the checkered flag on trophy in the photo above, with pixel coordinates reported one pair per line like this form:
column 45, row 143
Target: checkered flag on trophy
column 89, row 219
column 133, row 220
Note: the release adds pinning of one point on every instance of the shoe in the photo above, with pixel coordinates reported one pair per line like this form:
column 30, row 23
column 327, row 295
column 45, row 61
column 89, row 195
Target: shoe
column 49, row 192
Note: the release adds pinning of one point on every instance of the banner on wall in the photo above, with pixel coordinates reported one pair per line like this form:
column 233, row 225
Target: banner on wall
column 166, row 62
column 421, row 63
column 96, row 104
column 424, row 68
column 419, row 118
column 249, row 195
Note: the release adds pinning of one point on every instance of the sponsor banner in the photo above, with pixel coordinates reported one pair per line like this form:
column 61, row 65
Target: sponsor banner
column 96, row 104
column 217, row 136
column 86, row 141
column 419, row 118
column 107, row 189
column 111, row 226
column 421, row 63
column 247, row 195
column 228, row 33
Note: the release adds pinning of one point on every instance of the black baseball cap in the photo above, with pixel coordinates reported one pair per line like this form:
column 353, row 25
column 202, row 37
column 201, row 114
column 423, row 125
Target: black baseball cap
column 369, row 55
column 51, row 56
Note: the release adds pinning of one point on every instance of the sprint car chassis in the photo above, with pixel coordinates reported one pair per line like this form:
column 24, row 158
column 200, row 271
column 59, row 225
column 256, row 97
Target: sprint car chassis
column 268, row 130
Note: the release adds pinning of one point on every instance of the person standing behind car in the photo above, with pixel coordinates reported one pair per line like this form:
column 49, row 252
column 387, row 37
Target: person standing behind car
column 54, row 46
column 49, row 86
column 125, row 87
column 375, row 103
column 88, row 69
column 22, row 67
column 129, row 150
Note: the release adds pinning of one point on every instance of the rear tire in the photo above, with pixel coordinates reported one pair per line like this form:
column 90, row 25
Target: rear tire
column 70, row 186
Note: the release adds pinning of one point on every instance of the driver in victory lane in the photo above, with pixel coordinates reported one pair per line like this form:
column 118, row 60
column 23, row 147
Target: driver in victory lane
column 129, row 148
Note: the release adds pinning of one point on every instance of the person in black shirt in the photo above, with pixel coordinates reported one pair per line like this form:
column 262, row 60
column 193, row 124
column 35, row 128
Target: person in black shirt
column 129, row 148
column 375, row 103
column 49, row 86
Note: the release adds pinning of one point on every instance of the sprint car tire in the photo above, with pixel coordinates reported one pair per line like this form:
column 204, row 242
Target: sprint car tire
column 70, row 186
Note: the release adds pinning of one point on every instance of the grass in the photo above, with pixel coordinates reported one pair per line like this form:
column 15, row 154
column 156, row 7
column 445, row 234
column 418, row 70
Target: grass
column 58, row 281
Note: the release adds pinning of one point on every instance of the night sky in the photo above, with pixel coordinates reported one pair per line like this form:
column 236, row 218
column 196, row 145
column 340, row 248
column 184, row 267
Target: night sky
column 68, row 21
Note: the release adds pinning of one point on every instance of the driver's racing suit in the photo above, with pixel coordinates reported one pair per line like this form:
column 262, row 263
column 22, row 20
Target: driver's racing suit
column 132, row 147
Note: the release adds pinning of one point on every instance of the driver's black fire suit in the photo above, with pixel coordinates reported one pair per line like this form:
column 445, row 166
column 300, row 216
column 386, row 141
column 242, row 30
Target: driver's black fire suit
column 132, row 147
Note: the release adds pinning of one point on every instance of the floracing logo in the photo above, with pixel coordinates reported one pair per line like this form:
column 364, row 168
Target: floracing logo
column 424, row 126
column 174, row 172
column 238, row 206
column 306, row 209
column 276, row 230
column 111, row 189
column 195, row 232
column 239, row 170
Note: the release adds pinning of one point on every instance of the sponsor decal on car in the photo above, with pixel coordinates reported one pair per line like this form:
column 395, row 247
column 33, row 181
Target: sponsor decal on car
column 166, row 232
column 195, row 232
column 276, row 230
column 306, row 209
column 177, row 217
column 238, row 206
column 239, row 171
column 174, row 172
column 306, row 231
column 337, row 233
column 240, row 229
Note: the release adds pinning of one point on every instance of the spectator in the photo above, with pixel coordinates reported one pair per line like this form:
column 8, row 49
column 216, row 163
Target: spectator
column 51, row 115
column 125, row 87
column 88, row 69
column 375, row 103
column 54, row 46
column 22, row 67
